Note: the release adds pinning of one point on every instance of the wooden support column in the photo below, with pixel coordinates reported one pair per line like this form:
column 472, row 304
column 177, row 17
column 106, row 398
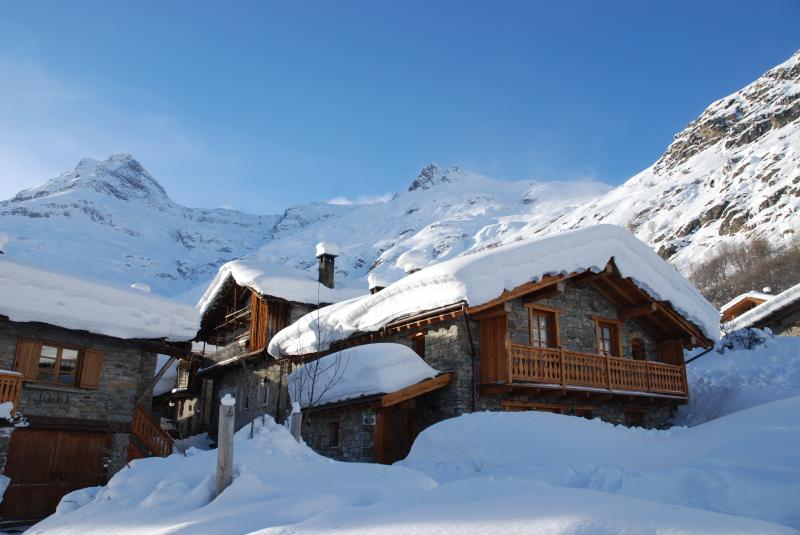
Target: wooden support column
column 561, row 365
column 225, row 443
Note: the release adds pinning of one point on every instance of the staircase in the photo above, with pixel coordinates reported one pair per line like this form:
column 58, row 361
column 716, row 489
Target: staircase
column 147, row 437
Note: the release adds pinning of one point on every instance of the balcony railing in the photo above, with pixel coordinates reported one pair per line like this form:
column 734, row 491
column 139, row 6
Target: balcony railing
column 10, row 383
column 148, row 431
column 559, row 366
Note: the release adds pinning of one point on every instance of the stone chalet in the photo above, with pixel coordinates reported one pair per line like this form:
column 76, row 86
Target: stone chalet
column 781, row 314
column 245, row 305
column 589, row 323
column 78, row 363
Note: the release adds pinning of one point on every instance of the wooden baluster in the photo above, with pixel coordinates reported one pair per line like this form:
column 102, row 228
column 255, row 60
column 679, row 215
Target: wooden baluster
column 561, row 365
column 608, row 373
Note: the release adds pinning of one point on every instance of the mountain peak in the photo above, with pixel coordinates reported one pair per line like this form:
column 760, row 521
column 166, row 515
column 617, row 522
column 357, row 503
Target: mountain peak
column 119, row 176
column 432, row 175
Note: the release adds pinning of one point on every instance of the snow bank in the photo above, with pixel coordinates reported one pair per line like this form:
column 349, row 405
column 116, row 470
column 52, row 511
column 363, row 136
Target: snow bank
column 483, row 276
column 277, row 280
column 33, row 294
column 603, row 479
column 745, row 464
column 764, row 310
column 731, row 379
column 356, row 372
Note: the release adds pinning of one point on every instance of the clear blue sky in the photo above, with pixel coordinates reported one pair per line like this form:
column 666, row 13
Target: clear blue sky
column 261, row 105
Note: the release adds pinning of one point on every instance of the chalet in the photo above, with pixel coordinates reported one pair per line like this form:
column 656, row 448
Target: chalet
column 742, row 303
column 781, row 314
column 246, row 304
column 589, row 323
column 79, row 363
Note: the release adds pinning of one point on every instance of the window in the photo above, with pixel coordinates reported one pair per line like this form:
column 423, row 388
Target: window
column 333, row 433
column 634, row 418
column 584, row 412
column 637, row 349
column 419, row 344
column 607, row 337
column 57, row 364
column 543, row 327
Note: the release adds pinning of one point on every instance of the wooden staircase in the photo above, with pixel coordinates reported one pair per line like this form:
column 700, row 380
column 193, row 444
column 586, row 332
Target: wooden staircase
column 147, row 437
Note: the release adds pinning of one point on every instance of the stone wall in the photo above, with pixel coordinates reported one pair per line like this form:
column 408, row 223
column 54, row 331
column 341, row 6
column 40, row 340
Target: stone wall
column 355, row 440
column 787, row 325
column 127, row 371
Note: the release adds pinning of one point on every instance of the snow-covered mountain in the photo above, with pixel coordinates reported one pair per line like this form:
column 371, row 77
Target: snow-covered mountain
column 733, row 173
column 111, row 220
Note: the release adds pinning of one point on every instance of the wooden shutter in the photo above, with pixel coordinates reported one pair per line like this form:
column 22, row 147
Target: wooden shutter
column 28, row 358
column 91, row 366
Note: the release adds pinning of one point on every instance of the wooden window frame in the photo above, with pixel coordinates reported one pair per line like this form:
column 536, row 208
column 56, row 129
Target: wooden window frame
column 60, row 347
column 638, row 342
column 334, row 424
column 554, row 334
column 514, row 406
column 418, row 339
column 617, row 336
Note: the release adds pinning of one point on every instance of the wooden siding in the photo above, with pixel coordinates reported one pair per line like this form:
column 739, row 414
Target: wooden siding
column 493, row 342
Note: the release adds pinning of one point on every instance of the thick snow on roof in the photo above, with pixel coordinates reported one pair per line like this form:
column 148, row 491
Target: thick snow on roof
column 481, row 277
column 328, row 248
column 33, row 294
column 762, row 311
column 740, row 298
column 361, row 371
column 277, row 280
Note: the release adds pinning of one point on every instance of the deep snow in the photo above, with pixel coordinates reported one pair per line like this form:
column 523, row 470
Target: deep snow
column 478, row 278
column 482, row 473
column 33, row 294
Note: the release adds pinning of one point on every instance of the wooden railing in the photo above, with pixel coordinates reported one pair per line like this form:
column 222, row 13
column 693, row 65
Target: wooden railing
column 145, row 428
column 10, row 383
column 570, row 368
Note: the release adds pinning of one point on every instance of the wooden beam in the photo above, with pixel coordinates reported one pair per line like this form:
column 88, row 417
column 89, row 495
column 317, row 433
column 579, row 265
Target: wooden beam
column 519, row 291
column 418, row 389
column 635, row 312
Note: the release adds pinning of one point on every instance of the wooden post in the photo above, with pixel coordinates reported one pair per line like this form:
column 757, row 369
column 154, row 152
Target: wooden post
column 296, row 422
column 608, row 371
column 561, row 365
column 225, row 443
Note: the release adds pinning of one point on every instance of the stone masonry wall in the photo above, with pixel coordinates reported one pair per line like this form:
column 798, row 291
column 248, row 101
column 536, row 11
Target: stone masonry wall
column 355, row 439
column 127, row 371
column 788, row 325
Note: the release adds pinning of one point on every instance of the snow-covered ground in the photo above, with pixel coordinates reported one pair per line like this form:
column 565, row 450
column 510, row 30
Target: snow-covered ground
column 729, row 379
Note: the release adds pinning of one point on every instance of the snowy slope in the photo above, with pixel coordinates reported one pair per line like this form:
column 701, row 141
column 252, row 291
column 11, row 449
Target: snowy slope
column 480, row 473
column 733, row 173
column 111, row 220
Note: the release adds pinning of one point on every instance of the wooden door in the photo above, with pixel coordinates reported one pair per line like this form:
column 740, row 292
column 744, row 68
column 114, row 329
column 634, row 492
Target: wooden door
column 45, row 464
column 395, row 430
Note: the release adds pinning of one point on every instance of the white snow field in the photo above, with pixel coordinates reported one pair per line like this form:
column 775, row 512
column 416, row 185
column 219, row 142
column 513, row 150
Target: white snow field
column 504, row 473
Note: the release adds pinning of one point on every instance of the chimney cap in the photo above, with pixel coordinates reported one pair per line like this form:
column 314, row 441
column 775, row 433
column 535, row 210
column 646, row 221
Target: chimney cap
column 325, row 248
column 410, row 267
column 767, row 290
column 376, row 281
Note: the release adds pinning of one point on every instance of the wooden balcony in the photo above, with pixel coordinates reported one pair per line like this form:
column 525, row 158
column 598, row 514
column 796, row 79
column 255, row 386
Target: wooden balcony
column 10, row 383
column 558, row 366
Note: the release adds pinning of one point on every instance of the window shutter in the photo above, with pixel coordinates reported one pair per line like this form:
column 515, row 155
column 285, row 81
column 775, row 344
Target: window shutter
column 28, row 358
column 91, row 366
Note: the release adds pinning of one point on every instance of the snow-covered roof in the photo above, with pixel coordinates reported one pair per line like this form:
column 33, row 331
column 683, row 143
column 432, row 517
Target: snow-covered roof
column 357, row 372
column 749, row 295
column 478, row 278
column 277, row 280
column 764, row 310
column 33, row 294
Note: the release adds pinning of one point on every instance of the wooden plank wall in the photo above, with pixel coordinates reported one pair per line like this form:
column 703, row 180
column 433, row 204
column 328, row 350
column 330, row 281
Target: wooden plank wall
column 494, row 366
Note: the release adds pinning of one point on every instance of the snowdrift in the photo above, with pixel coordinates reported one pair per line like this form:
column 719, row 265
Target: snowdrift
column 487, row 472
column 732, row 377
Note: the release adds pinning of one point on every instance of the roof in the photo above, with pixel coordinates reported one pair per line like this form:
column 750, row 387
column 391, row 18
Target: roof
column 276, row 280
column 33, row 294
column 760, row 296
column 358, row 372
column 481, row 277
column 770, row 308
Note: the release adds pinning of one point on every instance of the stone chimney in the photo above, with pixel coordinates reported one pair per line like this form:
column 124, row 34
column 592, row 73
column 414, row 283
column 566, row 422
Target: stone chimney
column 326, row 253
column 376, row 284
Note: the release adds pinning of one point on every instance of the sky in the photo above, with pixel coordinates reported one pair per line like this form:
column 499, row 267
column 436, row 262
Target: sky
column 258, row 106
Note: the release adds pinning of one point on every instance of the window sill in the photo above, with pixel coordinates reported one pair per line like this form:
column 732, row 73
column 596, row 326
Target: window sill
column 59, row 388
